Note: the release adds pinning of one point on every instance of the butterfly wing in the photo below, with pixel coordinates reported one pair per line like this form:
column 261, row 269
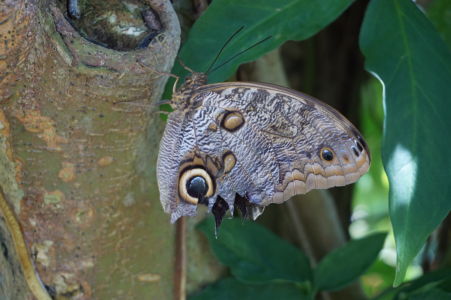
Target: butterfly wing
column 257, row 144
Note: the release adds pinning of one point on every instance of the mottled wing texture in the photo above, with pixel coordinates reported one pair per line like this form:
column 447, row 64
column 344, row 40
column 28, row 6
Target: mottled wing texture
column 262, row 142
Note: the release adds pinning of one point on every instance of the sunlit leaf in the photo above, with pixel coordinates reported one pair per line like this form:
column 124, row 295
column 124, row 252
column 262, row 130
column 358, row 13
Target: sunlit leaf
column 379, row 276
column 403, row 49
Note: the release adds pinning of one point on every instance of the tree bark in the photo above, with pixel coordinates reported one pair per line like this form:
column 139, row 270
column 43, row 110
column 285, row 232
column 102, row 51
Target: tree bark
column 77, row 162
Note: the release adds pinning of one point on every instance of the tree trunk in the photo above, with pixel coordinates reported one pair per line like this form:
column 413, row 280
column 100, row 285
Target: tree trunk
column 77, row 162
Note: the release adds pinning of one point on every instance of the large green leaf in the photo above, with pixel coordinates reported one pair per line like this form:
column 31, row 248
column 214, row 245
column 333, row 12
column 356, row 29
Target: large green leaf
column 282, row 20
column 402, row 48
column 439, row 279
column 228, row 289
column 254, row 254
column 343, row 265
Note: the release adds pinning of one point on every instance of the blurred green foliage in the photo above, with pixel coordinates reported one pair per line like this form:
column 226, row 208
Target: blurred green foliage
column 439, row 12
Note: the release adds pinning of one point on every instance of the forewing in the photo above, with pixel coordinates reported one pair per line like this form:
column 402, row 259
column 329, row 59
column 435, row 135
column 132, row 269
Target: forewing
column 279, row 148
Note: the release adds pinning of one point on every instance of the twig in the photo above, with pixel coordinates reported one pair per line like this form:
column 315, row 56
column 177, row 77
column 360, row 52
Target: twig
column 180, row 260
column 300, row 232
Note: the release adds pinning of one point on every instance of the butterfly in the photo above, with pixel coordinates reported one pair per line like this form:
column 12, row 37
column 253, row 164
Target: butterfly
column 246, row 145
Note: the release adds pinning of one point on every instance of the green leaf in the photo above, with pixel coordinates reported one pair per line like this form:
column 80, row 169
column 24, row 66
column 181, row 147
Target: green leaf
column 439, row 12
column 230, row 288
column 426, row 282
column 439, row 279
column 282, row 20
column 343, row 265
column 403, row 49
column 254, row 254
column 432, row 294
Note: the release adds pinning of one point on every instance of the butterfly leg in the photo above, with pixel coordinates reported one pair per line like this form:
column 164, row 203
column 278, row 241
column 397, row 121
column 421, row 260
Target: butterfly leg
column 241, row 203
column 247, row 209
column 219, row 210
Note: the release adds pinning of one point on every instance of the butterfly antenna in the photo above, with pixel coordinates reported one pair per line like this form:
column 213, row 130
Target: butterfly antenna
column 223, row 47
column 241, row 52
column 185, row 66
column 174, row 87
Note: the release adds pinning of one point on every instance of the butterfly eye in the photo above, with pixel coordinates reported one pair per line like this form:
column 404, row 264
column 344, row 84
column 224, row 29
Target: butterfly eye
column 327, row 154
column 195, row 184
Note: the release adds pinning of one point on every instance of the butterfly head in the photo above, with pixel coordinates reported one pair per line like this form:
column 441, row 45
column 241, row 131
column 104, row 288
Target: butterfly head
column 181, row 97
column 194, row 80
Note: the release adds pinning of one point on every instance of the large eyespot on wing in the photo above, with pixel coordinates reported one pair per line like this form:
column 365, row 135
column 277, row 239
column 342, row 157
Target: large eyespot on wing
column 196, row 181
column 195, row 185
column 179, row 162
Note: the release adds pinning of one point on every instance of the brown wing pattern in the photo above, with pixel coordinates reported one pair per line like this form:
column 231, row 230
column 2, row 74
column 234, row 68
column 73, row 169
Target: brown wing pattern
column 262, row 142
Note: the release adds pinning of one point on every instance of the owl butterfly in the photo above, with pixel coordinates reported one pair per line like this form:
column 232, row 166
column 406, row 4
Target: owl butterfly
column 246, row 145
